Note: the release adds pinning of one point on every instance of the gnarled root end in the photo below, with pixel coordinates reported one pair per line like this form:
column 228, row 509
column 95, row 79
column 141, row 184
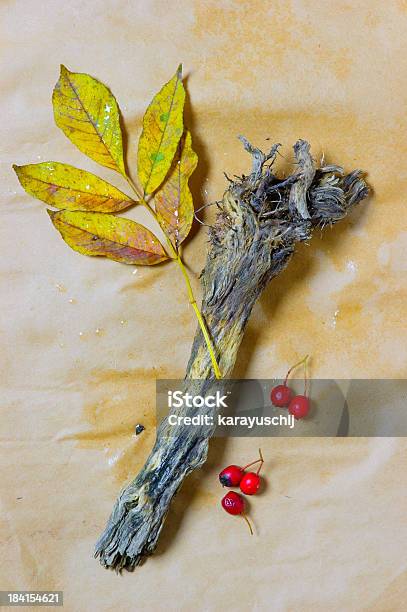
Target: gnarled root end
column 138, row 516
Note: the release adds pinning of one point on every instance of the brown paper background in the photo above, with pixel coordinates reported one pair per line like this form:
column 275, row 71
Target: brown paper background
column 331, row 526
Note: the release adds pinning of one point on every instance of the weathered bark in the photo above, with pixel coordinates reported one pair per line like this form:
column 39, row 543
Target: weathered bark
column 260, row 220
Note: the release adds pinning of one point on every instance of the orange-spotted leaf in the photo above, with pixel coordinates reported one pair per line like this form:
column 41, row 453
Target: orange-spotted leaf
column 99, row 234
column 66, row 187
column 87, row 112
column 173, row 202
column 162, row 130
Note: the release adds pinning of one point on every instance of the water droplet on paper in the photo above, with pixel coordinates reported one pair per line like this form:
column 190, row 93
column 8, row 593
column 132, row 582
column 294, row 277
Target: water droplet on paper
column 112, row 460
column 334, row 318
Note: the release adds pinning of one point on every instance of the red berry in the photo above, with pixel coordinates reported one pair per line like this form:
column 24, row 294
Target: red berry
column 250, row 483
column 299, row 406
column 233, row 503
column 281, row 395
column 231, row 476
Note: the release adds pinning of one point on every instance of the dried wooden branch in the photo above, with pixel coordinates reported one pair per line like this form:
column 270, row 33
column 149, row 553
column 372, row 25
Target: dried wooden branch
column 261, row 218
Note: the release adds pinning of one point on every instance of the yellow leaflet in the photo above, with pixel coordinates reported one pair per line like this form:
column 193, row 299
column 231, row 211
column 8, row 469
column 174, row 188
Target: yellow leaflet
column 162, row 129
column 173, row 202
column 87, row 112
column 98, row 234
column 69, row 188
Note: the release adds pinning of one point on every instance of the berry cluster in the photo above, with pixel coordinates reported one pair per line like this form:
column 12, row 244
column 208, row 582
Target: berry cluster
column 283, row 397
column 249, row 483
